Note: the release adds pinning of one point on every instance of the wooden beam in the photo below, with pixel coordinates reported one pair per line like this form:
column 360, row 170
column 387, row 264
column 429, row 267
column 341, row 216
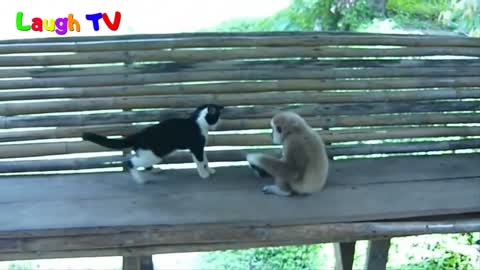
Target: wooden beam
column 377, row 254
column 344, row 255
column 137, row 263
column 212, row 39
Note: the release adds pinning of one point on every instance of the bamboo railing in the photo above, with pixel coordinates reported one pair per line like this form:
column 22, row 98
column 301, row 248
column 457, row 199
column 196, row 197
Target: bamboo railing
column 406, row 93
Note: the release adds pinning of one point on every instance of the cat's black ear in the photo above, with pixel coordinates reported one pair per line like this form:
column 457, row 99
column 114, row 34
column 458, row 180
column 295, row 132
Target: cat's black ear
column 212, row 110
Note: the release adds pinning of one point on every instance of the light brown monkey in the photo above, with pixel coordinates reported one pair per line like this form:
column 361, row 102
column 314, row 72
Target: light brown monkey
column 303, row 168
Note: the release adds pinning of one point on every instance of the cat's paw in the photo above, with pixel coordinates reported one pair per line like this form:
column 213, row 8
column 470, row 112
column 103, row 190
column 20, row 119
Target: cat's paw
column 203, row 174
column 156, row 170
column 275, row 190
column 211, row 170
column 137, row 177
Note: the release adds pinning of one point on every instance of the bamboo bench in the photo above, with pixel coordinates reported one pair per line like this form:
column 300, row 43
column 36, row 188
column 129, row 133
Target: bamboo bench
column 399, row 114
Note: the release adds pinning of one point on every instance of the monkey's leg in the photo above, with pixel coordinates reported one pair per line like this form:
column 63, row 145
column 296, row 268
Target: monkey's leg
column 279, row 169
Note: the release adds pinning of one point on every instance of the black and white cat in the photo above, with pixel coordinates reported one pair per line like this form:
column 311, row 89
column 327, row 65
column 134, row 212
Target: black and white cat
column 155, row 142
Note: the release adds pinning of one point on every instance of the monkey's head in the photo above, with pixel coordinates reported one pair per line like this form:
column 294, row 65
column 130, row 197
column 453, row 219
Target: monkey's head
column 284, row 124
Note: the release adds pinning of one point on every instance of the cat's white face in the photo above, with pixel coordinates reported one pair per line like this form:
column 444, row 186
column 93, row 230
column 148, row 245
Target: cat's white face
column 209, row 118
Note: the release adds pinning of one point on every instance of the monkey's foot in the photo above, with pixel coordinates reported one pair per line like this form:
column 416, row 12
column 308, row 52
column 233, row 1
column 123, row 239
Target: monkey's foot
column 275, row 190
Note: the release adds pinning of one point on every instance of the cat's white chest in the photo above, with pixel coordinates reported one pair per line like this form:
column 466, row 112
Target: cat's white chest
column 204, row 133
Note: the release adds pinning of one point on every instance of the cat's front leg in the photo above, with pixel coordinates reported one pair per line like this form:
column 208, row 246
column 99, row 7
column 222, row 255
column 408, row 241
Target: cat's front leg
column 210, row 170
column 200, row 161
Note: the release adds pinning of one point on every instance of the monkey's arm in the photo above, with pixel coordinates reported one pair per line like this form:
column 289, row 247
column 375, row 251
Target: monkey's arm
column 272, row 166
column 260, row 172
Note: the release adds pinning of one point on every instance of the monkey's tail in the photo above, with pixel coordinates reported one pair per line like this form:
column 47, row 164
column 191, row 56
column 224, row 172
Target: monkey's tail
column 109, row 143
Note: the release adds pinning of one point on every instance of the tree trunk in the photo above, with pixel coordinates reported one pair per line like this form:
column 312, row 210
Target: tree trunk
column 378, row 6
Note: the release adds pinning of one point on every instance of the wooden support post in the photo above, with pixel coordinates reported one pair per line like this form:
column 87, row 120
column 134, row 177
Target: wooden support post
column 137, row 263
column 344, row 254
column 377, row 254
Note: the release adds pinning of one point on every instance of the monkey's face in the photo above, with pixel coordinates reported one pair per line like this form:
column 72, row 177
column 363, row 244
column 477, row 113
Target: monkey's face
column 283, row 124
column 277, row 132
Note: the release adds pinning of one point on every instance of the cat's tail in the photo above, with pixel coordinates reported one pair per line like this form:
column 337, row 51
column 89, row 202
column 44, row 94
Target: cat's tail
column 109, row 143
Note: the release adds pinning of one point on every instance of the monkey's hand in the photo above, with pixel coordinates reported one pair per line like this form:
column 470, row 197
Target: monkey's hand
column 259, row 171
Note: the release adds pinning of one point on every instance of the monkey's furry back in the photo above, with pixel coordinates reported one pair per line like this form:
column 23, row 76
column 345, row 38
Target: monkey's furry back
column 306, row 151
column 304, row 166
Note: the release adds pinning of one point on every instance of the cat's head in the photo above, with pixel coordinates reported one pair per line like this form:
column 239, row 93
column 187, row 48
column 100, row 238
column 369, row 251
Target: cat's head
column 208, row 115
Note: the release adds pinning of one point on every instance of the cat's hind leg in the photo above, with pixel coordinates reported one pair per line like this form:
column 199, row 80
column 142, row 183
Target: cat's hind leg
column 142, row 158
column 153, row 169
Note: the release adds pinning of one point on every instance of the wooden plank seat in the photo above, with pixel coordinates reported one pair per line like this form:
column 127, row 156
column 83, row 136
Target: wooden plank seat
column 399, row 114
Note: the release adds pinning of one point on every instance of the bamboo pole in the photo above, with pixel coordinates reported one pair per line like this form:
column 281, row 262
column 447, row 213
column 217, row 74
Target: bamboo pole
column 322, row 111
column 60, row 148
column 170, row 101
column 249, row 124
column 241, row 87
column 288, row 35
column 205, row 76
column 189, row 40
column 229, row 54
column 106, row 69
column 232, row 155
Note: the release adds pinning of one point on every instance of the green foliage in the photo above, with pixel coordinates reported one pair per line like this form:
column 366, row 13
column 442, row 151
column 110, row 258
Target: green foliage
column 463, row 15
column 279, row 258
column 355, row 16
column 308, row 15
column 431, row 252
column 425, row 9
column 240, row 25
